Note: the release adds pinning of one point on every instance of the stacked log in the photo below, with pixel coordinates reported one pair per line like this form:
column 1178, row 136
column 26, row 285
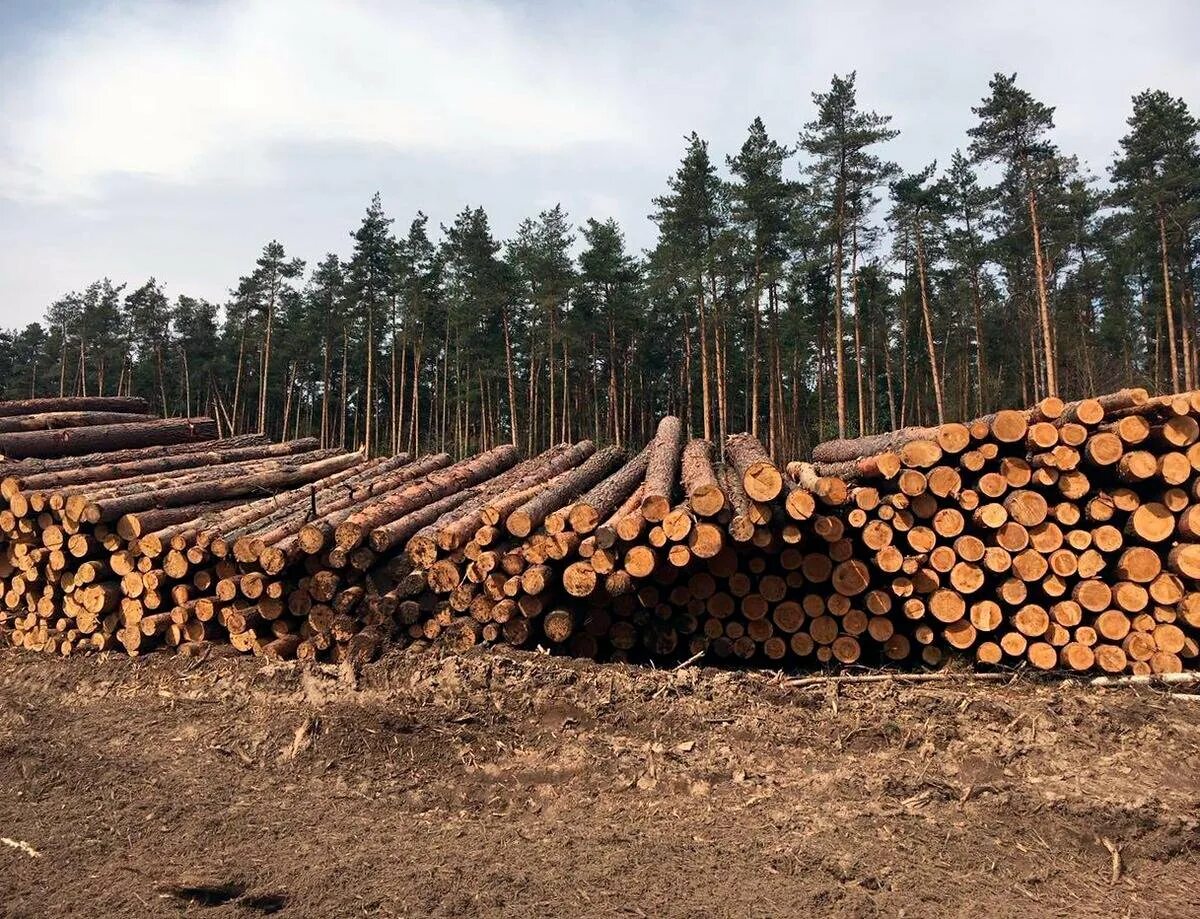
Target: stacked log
column 1065, row 536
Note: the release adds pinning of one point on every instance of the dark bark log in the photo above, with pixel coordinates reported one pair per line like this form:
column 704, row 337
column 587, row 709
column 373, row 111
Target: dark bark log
column 50, row 421
column 87, row 460
column 125, row 404
column 109, row 471
column 274, row 481
column 104, row 438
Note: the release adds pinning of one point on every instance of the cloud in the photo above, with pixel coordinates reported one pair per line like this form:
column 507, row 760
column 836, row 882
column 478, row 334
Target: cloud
column 176, row 92
column 175, row 137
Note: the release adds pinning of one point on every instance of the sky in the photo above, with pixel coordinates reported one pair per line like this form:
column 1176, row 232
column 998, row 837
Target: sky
column 175, row 139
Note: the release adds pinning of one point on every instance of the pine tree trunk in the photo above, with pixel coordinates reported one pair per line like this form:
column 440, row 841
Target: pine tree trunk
column 1168, row 306
column 705, row 397
column 858, row 357
column 511, row 379
column 1043, row 297
column 934, row 373
column 753, row 356
column 839, row 358
column 345, row 394
column 237, row 379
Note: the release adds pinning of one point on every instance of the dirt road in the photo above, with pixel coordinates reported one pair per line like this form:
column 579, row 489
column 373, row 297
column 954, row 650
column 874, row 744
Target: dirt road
column 516, row 785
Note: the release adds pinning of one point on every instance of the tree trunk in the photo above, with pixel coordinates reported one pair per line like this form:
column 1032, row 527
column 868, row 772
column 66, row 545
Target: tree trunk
column 934, row 372
column 1043, row 297
column 705, row 396
column 1168, row 306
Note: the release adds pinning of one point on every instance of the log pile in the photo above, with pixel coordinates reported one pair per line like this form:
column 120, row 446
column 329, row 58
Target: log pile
column 1065, row 536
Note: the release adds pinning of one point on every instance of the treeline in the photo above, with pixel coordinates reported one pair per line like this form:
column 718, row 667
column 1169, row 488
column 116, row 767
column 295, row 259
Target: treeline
column 799, row 290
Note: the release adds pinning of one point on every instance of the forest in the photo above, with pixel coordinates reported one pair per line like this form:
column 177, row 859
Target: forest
column 800, row 288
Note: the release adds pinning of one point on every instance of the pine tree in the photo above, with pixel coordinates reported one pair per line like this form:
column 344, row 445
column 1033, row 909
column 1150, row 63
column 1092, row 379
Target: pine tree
column 1157, row 178
column 368, row 290
column 969, row 201
column 919, row 210
column 762, row 208
column 148, row 323
column 839, row 141
column 689, row 218
column 1012, row 131
column 609, row 292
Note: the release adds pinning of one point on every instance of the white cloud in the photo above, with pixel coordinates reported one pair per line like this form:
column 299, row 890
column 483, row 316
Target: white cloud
column 174, row 137
column 173, row 92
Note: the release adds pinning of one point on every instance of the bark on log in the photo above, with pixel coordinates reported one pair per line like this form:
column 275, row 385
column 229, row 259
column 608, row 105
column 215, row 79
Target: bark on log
column 662, row 468
column 495, row 503
column 596, row 505
column 109, row 471
column 124, row 404
column 401, row 529
column 113, row 508
column 16, row 469
column 74, row 441
column 50, row 421
column 853, row 448
column 699, row 478
column 355, row 528
column 560, row 492
column 761, row 479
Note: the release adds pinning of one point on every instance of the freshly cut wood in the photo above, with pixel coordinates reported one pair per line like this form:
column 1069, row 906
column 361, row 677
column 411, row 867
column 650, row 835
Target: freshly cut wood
column 662, row 469
column 562, row 490
column 760, row 477
column 700, row 484
column 847, row 449
column 830, row 490
column 105, row 437
column 588, row 511
column 880, row 466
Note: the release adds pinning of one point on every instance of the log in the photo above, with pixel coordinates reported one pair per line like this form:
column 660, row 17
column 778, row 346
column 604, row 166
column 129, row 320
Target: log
column 49, row 421
column 880, row 466
column 700, row 484
column 75, row 441
column 759, row 476
column 561, row 491
column 662, row 468
column 351, row 532
column 100, row 472
column 606, row 496
column 870, row 445
column 134, row 405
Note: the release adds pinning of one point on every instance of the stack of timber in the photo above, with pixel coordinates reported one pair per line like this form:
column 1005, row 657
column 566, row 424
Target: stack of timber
column 1065, row 536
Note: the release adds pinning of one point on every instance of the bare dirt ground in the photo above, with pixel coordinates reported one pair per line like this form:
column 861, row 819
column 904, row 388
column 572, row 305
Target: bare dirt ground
column 502, row 784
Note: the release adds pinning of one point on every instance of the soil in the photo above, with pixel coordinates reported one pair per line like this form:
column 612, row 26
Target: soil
column 508, row 784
